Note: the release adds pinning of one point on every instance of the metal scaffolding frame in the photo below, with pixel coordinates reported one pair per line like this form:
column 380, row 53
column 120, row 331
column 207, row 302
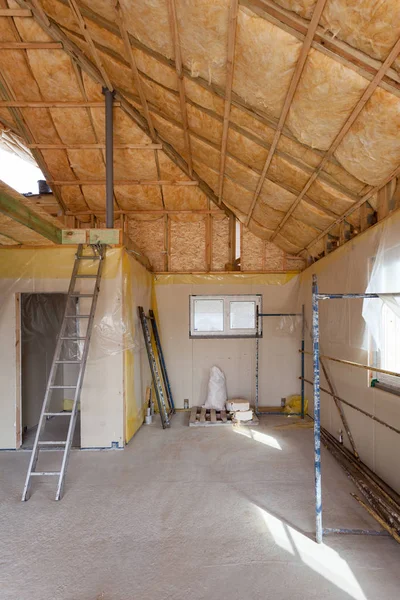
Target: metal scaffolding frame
column 261, row 316
column 316, row 297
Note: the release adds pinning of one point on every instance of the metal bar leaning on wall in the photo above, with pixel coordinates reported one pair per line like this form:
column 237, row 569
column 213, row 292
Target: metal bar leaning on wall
column 259, row 316
column 317, row 413
column 316, row 297
column 358, row 365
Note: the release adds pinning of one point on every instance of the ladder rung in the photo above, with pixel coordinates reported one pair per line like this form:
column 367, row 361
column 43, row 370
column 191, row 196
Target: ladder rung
column 68, row 362
column 59, row 414
column 36, row 473
column 78, row 295
column 62, row 387
column 51, row 443
column 77, row 316
column 73, row 338
column 83, row 276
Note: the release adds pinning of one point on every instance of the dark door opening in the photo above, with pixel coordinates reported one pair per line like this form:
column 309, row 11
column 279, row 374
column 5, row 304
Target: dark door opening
column 41, row 318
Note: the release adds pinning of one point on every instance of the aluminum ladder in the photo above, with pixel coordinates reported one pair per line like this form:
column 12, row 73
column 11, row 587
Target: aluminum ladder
column 163, row 401
column 73, row 298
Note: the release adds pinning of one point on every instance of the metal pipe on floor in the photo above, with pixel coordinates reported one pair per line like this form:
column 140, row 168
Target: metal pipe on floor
column 317, row 413
column 109, row 101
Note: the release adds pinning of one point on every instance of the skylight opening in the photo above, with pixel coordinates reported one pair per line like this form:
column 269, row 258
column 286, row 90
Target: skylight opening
column 19, row 174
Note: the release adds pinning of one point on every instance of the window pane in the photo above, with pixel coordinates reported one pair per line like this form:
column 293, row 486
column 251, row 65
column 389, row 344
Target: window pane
column 243, row 315
column 208, row 315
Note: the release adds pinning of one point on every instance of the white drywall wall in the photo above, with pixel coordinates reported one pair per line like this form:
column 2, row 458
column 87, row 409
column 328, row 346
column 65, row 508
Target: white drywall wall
column 342, row 333
column 189, row 360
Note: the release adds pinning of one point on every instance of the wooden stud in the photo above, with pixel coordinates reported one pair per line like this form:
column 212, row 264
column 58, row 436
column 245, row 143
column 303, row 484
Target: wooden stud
column 343, row 131
column 319, row 7
column 230, row 61
column 166, row 243
column 208, row 240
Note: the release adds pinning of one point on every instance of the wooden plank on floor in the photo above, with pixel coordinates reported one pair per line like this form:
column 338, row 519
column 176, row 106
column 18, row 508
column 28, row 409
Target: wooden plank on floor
column 203, row 415
column 193, row 414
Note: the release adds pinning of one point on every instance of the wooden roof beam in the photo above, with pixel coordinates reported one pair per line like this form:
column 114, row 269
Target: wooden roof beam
column 319, row 7
column 12, row 205
column 145, row 182
column 325, row 42
column 361, row 201
column 85, row 32
column 131, row 58
column 15, row 12
column 181, row 82
column 232, row 23
column 80, row 58
column 344, row 130
column 30, row 46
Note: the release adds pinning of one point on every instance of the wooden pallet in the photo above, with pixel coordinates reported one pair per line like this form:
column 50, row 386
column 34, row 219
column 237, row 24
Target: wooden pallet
column 206, row 417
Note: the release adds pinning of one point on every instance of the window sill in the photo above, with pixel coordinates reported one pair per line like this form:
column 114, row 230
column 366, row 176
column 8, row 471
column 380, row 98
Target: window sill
column 388, row 388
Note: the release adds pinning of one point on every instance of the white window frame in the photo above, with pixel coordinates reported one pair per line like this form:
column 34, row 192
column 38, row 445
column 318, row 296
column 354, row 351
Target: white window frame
column 227, row 331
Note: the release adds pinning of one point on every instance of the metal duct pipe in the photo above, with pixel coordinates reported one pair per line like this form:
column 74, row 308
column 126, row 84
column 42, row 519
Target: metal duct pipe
column 109, row 98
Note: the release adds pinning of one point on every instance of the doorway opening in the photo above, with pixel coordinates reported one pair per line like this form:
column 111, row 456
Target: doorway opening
column 41, row 317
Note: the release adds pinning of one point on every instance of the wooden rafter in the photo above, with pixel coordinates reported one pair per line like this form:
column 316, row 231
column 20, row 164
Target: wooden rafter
column 358, row 204
column 15, row 12
column 232, row 23
column 95, row 146
column 56, row 33
column 30, row 46
column 145, row 182
column 344, row 130
column 319, row 7
column 85, row 32
column 181, row 82
column 131, row 58
column 325, row 42
column 43, row 104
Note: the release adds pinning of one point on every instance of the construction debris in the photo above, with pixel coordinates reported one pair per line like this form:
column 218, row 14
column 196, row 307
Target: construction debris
column 379, row 499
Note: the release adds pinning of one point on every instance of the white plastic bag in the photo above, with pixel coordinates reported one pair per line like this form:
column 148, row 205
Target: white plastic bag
column 217, row 395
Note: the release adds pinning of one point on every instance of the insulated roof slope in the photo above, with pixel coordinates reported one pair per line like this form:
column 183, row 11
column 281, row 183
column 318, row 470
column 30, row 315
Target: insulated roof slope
column 285, row 113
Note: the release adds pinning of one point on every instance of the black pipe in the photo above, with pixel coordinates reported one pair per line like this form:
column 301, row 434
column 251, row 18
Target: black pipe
column 109, row 97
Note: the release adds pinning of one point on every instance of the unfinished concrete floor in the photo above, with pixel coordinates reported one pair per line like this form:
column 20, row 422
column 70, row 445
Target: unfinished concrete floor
column 190, row 514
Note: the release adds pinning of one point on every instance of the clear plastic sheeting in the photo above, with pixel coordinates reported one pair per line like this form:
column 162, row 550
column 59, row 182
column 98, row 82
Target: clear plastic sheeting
column 385, row 279
column 289, row 325
column 47, row 272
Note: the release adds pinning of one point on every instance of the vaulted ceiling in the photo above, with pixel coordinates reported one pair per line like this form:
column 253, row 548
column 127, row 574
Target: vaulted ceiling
column 284, row 113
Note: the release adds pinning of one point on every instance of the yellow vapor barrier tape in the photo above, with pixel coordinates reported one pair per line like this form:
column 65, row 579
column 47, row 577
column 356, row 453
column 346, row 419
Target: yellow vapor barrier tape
column 225, row 278
column 50, row 263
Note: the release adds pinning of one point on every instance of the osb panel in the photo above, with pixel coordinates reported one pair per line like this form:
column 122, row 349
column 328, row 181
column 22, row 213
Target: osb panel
column 252, row 252
column 220, row 242
column 187, row 245
column 149, row 237
column 274, row 257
